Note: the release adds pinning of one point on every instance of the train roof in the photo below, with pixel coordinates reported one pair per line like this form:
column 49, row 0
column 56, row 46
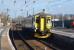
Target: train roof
column 42, row 13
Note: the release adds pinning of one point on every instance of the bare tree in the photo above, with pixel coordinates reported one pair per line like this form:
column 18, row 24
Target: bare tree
column 4, row 18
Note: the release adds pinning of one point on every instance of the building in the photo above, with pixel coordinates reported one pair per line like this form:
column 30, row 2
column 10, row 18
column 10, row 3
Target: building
column 1, row 24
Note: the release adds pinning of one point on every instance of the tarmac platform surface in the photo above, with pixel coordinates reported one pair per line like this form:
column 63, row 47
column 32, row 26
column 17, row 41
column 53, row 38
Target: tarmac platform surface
column 5, row 42
column 63, row 31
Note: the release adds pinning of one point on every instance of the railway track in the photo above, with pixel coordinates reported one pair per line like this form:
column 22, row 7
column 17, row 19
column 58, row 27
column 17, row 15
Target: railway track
column 20, row 43
column 49, row 45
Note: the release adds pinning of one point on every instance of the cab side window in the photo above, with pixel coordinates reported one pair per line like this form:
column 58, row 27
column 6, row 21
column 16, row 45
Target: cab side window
column 37, row 20
column 48, row 20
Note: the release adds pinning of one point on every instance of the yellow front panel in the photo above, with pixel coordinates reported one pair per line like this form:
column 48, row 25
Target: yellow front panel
column 36, row 25
column 42, row 24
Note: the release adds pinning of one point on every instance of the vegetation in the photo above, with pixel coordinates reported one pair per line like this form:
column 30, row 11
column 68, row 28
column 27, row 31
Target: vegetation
column 4, row 18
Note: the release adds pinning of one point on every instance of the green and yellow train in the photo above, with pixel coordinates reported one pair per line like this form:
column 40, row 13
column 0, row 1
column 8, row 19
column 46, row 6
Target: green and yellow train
column 42, row 25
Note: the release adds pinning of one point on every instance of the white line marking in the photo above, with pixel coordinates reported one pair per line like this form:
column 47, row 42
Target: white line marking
column 11, row 45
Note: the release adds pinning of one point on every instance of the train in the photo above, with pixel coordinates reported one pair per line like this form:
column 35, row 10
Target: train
column 42, row 26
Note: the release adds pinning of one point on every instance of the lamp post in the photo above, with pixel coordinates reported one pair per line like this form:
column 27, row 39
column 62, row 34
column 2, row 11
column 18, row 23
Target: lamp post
column 7, row 10
column 27, row 11
column 25, row 8
column 33, row 7
column 14, row 7
column 63, row 21
column 33, row 11
column 53, row 21
column 24, row 5
column 7, row 13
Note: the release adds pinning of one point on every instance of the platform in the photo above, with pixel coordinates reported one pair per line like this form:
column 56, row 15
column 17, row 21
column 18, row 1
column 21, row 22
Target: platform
column 5, row 41
column 64, row 31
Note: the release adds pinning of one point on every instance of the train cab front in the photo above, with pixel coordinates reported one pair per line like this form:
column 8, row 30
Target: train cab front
column 41, row 30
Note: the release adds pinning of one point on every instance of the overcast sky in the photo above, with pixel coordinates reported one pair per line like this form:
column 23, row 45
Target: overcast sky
column 51, row 6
